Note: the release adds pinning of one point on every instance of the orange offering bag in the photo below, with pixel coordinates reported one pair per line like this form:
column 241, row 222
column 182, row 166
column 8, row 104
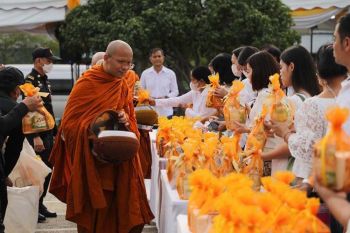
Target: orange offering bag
column 253, row 165
column 185, row 167
column 257, row 137
column 36, row 122
column 231, row 150
column 212, row 100
column 280, row 110
column 332, row 153
column 143, row 96
column 163, row 135
column 233, row 110
column 201, row 206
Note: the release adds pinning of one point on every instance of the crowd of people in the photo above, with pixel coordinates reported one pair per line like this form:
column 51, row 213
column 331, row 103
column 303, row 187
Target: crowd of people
column 111, row 197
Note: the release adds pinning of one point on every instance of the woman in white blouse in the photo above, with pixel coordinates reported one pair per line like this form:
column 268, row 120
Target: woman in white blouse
column 260, row 66
column 298, row 71
column 196, row 97
column 309, row 122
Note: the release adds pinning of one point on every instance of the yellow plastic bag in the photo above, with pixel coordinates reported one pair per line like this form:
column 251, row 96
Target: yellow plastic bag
column 256, row 139
column 253, row 165
column 332, row 153
column 233, row 110
column 184, row 166
column 281, row 110
column 212, row 100
column 36, row 122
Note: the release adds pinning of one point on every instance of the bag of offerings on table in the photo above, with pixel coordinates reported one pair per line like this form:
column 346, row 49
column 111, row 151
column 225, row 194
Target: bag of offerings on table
column 172, row 154
column 280, row 108
column 185, row 165
column 38, row 121
column 145, row 114
column 253, row 165
column 230, row 149
column 163, row 135
column 201, row 206
column 233, row 110
column 239, row 208
column 176, row 125
column 181, row 129
column 214, row 101
column 211, row 159
column 332, row 153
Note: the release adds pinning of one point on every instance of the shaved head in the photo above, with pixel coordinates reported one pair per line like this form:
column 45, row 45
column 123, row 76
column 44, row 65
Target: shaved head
column 118, row 58
column 117, row 45
column 97, row 57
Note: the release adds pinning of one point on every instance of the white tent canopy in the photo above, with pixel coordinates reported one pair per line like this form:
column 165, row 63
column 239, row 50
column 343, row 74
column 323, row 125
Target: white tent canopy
column 34, row 15
column 311, row 4
column 30, row 15
column 310, row 13
column 316, row 19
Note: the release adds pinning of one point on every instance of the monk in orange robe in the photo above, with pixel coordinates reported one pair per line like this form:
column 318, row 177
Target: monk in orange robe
column 100, row 197
column 145, row 153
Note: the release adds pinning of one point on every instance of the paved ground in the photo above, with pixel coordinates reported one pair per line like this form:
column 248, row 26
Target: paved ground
column 59, row 224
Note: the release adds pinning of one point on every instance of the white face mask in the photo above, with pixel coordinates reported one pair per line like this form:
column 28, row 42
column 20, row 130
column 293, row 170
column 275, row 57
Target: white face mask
column 194, row 87
column 47, row 68
column 235, row 71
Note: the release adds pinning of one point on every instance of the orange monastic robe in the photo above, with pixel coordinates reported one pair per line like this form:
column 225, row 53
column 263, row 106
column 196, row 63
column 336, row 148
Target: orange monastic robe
column 145, row 153
column 100, row 197
column 145, row 141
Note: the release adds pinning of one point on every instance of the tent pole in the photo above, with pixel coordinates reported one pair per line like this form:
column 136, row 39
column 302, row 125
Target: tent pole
column 312, row 38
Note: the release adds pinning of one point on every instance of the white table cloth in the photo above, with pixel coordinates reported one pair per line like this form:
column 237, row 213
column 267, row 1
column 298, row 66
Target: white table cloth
column 171, row 206
column 182, row 224
column 157, row 165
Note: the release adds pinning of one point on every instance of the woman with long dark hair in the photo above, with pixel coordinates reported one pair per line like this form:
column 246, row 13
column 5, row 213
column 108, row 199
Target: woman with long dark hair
column 310, row 123
column 299, row 72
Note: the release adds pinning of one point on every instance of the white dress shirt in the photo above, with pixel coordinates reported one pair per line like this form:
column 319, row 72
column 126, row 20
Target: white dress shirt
column 160, row 85
column 343, row 100
column 197, row 98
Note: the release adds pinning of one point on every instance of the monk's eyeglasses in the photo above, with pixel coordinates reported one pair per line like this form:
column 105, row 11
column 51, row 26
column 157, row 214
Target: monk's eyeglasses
column 130, row 64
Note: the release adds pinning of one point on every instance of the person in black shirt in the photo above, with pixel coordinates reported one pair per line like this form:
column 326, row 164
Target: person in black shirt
column 43, row 142
column 11, row 115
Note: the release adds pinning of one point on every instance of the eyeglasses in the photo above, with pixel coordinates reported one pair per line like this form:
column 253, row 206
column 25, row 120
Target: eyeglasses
column 124, row 63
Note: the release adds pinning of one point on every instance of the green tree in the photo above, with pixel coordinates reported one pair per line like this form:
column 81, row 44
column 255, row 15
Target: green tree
column 191, row 32
column 17, row 48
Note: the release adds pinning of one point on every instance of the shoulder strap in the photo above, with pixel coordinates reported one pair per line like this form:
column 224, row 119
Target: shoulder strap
column 301, row 96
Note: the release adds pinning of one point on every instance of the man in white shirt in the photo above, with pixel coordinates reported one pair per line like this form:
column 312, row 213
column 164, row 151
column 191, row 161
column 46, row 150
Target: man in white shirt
column 160, row 81
column 342, row 56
